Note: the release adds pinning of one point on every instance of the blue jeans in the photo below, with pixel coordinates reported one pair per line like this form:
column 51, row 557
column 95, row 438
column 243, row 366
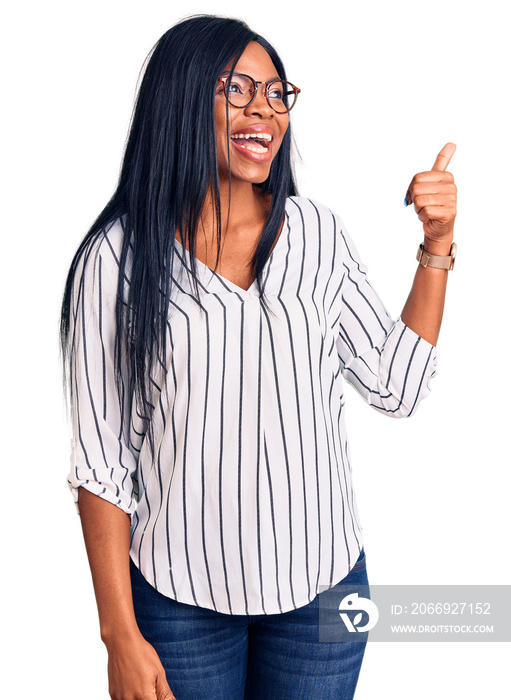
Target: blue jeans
column 207, row 654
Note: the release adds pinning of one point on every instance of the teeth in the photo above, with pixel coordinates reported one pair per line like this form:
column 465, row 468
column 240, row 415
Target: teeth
column 254, row 148
column 259, row 136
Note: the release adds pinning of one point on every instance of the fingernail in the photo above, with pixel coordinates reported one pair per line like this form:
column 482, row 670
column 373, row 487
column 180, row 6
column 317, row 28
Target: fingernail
column 406, row 202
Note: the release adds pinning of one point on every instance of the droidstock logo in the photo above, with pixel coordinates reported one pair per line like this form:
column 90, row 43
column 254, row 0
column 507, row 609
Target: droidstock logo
column 355, row 602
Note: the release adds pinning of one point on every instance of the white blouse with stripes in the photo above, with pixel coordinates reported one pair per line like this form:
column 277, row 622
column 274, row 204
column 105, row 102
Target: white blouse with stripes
column 248, row 506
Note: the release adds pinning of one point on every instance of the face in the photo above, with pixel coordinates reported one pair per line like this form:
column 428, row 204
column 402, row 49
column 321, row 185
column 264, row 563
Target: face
column 251, row 159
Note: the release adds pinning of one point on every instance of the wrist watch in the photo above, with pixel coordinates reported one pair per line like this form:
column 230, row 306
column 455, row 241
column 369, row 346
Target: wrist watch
column 443, row 262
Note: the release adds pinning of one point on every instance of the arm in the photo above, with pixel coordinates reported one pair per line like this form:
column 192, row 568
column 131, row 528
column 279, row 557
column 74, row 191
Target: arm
column 134, row 668
column 391, row 365
column 387, row 362
column 106, row 531
column 424, row 307
column 102, row 475
column 434, row 197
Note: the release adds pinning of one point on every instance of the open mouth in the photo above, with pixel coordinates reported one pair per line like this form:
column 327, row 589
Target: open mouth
column 256, row 142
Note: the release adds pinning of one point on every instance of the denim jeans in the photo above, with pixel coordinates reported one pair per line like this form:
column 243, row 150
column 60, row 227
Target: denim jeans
column 207, row 654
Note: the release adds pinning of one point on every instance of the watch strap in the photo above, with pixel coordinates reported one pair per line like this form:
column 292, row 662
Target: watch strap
column 442, row 262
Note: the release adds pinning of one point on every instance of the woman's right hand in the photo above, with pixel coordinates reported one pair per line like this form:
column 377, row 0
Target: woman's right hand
column 135, row 671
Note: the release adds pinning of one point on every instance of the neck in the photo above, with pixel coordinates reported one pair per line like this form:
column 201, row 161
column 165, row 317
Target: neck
column 242, row 209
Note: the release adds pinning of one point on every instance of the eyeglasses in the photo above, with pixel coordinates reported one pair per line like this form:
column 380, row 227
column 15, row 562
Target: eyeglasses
column 240, row 90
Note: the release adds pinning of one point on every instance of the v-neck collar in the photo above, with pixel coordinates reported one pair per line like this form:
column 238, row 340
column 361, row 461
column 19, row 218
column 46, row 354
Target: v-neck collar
column 227, row 282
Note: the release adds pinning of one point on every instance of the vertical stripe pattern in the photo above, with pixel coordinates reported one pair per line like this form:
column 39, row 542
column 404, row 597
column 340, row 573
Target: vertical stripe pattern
column 248, row 506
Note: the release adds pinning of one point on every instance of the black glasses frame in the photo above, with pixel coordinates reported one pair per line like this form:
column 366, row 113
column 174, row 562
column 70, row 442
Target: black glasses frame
column 226, row 80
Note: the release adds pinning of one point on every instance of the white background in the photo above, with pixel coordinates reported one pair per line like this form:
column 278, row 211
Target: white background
column 384, row 86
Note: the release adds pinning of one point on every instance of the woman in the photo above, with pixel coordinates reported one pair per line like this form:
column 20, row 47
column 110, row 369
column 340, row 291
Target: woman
column 209, row 318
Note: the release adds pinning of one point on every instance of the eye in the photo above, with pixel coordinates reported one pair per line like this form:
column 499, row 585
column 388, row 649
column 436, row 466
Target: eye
column 275, row 93
column 240, row 86
column 235, row 88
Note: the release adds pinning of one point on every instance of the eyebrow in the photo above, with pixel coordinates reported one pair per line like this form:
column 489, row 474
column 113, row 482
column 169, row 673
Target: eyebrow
column 228, row 72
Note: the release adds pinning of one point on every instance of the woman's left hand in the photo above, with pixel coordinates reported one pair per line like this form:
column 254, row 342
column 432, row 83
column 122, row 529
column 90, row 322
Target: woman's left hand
column 433, row 194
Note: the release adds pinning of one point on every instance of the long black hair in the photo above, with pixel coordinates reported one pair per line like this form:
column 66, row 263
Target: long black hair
column 168, row 169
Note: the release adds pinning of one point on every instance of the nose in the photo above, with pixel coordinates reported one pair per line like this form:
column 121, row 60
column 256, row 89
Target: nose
column 260, row 106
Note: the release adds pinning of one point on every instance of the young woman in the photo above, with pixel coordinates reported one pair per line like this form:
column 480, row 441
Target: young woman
column 209, row 319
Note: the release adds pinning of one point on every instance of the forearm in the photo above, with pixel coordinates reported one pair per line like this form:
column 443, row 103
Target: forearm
column 424, row 307
column 106, row 531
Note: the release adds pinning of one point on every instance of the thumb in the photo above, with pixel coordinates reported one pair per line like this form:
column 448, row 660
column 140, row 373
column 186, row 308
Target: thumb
column 163, row 692
column 444, row 157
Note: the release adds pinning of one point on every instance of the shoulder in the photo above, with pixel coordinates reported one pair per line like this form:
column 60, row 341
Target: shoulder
column 98, row 262
column 108, row 243
column 326, row 225
column 315, row 216
column 312, row 211
column 103, row 249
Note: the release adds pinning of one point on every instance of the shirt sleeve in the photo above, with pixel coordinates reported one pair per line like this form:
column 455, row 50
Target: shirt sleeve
column 102, row 459
column 389, row 365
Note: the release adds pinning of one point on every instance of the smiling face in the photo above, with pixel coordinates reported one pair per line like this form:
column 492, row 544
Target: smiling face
column 255, row 132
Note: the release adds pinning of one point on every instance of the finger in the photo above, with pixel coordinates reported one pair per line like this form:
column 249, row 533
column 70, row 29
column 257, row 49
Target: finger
column 443, row 198
column 423, row 200
column 431, row 180
column 432, row 187
column 432, row 176
column 434, row 213
column 444, row 157
column 408, row 195
column 163, row 691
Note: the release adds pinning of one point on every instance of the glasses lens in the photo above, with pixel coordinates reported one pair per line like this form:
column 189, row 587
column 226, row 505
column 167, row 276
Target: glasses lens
column 239, row 90
column 281, row 96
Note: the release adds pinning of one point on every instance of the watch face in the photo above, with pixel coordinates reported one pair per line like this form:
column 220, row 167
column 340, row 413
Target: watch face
column 454, row 250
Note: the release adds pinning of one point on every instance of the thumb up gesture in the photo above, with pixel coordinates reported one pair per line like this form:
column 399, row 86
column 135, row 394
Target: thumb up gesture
column 433, row 195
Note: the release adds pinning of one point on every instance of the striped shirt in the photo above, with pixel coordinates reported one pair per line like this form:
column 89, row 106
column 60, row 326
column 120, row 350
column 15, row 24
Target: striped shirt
column 248, row 506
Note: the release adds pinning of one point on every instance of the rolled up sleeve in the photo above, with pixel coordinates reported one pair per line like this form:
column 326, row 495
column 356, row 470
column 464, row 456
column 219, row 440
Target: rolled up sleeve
column 389, row 365
column 102, row 460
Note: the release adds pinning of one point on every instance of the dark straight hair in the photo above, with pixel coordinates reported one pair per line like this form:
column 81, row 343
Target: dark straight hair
column 169, row 167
